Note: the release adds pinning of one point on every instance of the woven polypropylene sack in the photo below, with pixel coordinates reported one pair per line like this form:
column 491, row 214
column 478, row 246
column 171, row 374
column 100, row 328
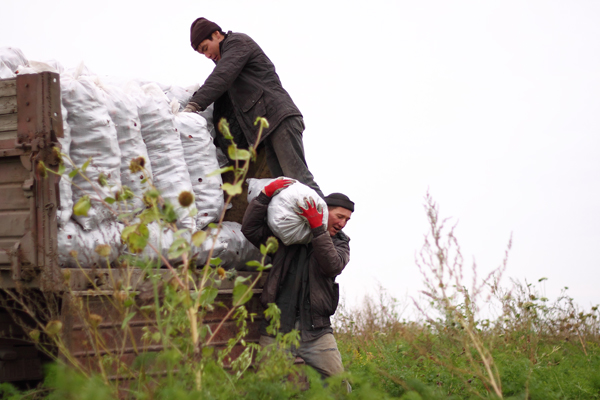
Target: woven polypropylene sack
column 93, row 135
column 12, row 58
column 164, row 147
column 124, row 114
column 201, row 159
column 282, row 216
column 231, row 246
column 77, row 247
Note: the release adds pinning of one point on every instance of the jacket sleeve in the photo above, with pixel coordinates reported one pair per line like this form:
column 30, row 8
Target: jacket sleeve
column 331, row 258
column 254, row 226
column 234, row 56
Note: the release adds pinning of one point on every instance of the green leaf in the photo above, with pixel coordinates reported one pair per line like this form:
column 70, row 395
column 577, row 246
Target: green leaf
column 61, row 168
column 208, row 296
column 127, row 319
column 272, row 244
column 220, row 171
column 198, row 238
column 224, row 129
column 86, row 164
column 232, row 190
column 241, row 294
column 149, row 215
column 253, row 263
column 82, row 206
column 136, row 237
column 208, row 351
column 241, row 279
column 73, row 173
column 212, row 225
column 168, row 212
column 238, row 154
column 178, row 247
column 262, row 121
column 216, row 261
column 109, row 200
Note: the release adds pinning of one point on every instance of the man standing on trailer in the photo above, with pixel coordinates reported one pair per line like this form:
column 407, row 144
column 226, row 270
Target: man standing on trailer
column 249, row 78
column 302, row 279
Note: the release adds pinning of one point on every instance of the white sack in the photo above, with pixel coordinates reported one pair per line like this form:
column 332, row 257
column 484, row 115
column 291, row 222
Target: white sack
column 201, row 159
column 162, row 140
column 93, row 134
column 73, row 238
column 5, row 71
column 231, row 246
column 124, row 114
column 181, row 94
column 159, row 238
column 282, row 217
column 12, row 57
column 63, row 215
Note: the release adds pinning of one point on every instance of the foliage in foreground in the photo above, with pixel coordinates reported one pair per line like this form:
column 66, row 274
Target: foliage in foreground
column 479, row 342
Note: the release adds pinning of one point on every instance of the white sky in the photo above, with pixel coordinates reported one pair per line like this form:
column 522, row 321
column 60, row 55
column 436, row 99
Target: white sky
column 491, row 106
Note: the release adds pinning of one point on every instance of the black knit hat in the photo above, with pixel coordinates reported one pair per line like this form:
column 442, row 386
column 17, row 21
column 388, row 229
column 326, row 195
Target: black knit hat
column 202, row 29
column 339, row 200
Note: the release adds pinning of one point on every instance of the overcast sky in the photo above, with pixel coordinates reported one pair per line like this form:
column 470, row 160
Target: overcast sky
column 492, row 107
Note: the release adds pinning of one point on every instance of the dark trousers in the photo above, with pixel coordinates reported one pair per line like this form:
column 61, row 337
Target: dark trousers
column 285, row 153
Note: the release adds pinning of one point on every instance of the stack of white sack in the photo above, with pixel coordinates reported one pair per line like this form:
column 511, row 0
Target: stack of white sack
column 78, row 246
column 282, row 216
column 170, row 174
column 159, row 242
column 10, row 60
column 93, row 136
column 65, row 210
column 231, row 246
column 201, row 159
column 181, row 94
column 124, row 114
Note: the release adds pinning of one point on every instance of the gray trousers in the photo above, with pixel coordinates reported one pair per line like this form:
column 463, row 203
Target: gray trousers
column 322, row 354
column 285, row 153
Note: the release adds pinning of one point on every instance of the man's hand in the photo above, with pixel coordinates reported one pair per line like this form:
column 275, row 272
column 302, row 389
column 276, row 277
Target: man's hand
column 277, row 186
column 312, row 212
column 192, row 107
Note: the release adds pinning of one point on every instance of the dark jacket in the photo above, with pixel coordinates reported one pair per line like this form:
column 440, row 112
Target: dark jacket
column 328, row 256
column 249, row 77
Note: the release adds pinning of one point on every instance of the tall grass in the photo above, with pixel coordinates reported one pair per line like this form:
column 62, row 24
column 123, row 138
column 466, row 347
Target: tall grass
column 476, row 340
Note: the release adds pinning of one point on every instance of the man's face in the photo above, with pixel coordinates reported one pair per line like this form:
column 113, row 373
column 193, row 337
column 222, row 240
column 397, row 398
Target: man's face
column 338, row 218
column 210, row 48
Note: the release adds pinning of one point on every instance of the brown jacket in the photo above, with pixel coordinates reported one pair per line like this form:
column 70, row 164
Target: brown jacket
column 328, row 256
column 249, row 77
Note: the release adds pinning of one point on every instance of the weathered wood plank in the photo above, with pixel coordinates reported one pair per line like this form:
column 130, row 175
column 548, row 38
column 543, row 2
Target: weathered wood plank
column 11, row 136
column 8, row 87
column 13, row 223
column 13, row 171
column 8, row 105
column 12, row 197
column 8, row 122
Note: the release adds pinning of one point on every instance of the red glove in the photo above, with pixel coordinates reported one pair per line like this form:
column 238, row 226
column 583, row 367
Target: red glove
column 312, row 213
column 277, row 186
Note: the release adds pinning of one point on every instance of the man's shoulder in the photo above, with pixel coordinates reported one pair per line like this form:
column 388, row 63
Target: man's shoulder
column 341, row 237
column 237, row 37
